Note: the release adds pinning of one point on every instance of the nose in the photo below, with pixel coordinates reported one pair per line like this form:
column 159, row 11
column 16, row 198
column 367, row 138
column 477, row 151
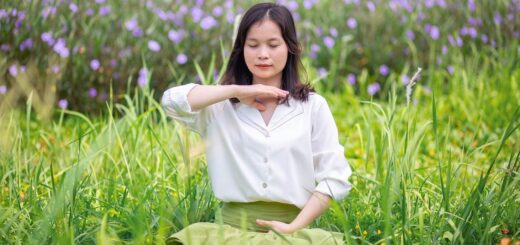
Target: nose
column 262, row 53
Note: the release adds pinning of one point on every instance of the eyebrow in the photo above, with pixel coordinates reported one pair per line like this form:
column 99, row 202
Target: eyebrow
column 270, row 39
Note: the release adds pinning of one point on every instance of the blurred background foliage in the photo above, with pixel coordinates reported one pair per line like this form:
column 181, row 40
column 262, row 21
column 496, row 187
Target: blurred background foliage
column 74, row 54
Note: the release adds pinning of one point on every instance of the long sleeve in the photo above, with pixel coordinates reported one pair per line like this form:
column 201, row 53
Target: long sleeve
column 331, row 169
column 175, row 104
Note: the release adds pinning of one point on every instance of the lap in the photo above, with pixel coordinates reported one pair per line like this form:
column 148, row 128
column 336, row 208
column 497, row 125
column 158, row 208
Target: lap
column 212, row 233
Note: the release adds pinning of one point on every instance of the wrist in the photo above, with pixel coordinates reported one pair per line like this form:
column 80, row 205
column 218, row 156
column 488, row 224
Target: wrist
column 235, row 91
column 294, row 226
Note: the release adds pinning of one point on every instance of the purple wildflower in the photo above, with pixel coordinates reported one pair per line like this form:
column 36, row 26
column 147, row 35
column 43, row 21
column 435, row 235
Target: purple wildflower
column 459, row 42
column 351, row 23
column 73, row 7
column 474, row 21
column 307, row 4
column 230, row 17
column 333, row 32
column 314, row 50
column 429, row 3
column 92, row 92
column 217, row 11
column 484, row 38
column 3, row 14
column 170, row 15
column 497, row 18
column 471, row 5
column 162, row 15
column 451, row 41
column 384, row 70
column 5, row 47
column 176, row 36
column 472, row 32
column 420, row 17
column 13, row 70
column 351, row 78
column 315, row 47
column 463, row 31
column 89, row 12
column 322, row 72
column 131, row 24
column 47, row 38
column 26, row 44
column 181, row 59
column 441, row 3
column 55, row 69
column 100, row 1
column 405, row 79
column 292, row 6
column 410, row 35
column 371, row 6
column 63, row 104
column 137, row 32
column 48, row 11
column 373, row 88
column 94, row 64
column 434, row 32
column 328, row 41
column 113, row 63
column 21, row 15
column 207, row 23
column 318, row 31
column 450, row 69
column 105, row 10
column 3, row 89
column 154, row 46
column 196, row 14
column 143, row 77
column 61, row 48
column 444, row 49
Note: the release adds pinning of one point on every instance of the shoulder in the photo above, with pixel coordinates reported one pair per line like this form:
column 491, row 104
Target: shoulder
column 316, row 100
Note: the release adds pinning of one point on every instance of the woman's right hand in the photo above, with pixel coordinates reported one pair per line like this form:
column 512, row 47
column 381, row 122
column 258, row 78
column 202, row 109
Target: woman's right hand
column 249, row 94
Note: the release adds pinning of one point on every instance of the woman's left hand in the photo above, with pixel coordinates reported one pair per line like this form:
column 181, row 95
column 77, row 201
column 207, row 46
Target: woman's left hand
column 278, row 226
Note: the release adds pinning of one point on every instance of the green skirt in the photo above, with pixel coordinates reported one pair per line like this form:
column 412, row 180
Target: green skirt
column 237, row 225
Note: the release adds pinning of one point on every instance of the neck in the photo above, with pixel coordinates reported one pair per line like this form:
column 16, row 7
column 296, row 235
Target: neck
column 275, row 82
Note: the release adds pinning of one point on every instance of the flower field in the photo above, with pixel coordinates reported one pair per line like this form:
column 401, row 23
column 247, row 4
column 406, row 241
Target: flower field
column 87, row 155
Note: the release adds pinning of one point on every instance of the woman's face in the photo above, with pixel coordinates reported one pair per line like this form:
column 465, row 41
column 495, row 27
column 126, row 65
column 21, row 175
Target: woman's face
column 265, row 51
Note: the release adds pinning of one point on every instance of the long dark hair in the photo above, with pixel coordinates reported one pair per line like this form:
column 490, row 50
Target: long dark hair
column 237, row 71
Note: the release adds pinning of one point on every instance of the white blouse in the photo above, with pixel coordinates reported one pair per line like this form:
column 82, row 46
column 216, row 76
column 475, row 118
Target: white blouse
column 297, row 153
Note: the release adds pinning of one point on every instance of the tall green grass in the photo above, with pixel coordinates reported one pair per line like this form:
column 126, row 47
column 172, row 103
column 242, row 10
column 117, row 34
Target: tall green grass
column 443, row 169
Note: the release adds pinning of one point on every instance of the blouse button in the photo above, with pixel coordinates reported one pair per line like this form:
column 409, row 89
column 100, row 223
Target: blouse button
column 264, row 185
column 265, row 159
column 267, row 134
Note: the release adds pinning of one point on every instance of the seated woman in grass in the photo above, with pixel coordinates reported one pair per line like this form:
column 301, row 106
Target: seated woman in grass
column 272, row 147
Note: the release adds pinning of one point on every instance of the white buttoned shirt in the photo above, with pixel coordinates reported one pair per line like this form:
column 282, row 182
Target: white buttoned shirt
column 297, row 153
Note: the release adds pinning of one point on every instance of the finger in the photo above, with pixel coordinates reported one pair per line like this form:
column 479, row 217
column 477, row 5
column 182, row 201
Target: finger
column 259, row 106
column 263, row 222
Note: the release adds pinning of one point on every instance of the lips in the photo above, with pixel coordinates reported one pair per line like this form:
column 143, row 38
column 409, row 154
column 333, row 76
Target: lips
column 263, row 66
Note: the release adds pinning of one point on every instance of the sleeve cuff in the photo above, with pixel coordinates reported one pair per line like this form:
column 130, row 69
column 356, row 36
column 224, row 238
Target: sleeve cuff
column 176, row 98
column 337, row 190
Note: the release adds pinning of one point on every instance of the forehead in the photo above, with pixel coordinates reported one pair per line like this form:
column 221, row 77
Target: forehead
column 264, row 30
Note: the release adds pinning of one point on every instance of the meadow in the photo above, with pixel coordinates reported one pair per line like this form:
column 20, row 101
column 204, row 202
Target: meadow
column 87, row 155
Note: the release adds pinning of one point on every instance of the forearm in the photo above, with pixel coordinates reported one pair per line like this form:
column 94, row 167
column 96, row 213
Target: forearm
column 202, row 96
column 317, row 204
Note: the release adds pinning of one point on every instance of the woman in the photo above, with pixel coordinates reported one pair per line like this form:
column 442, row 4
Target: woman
column 272, row 147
